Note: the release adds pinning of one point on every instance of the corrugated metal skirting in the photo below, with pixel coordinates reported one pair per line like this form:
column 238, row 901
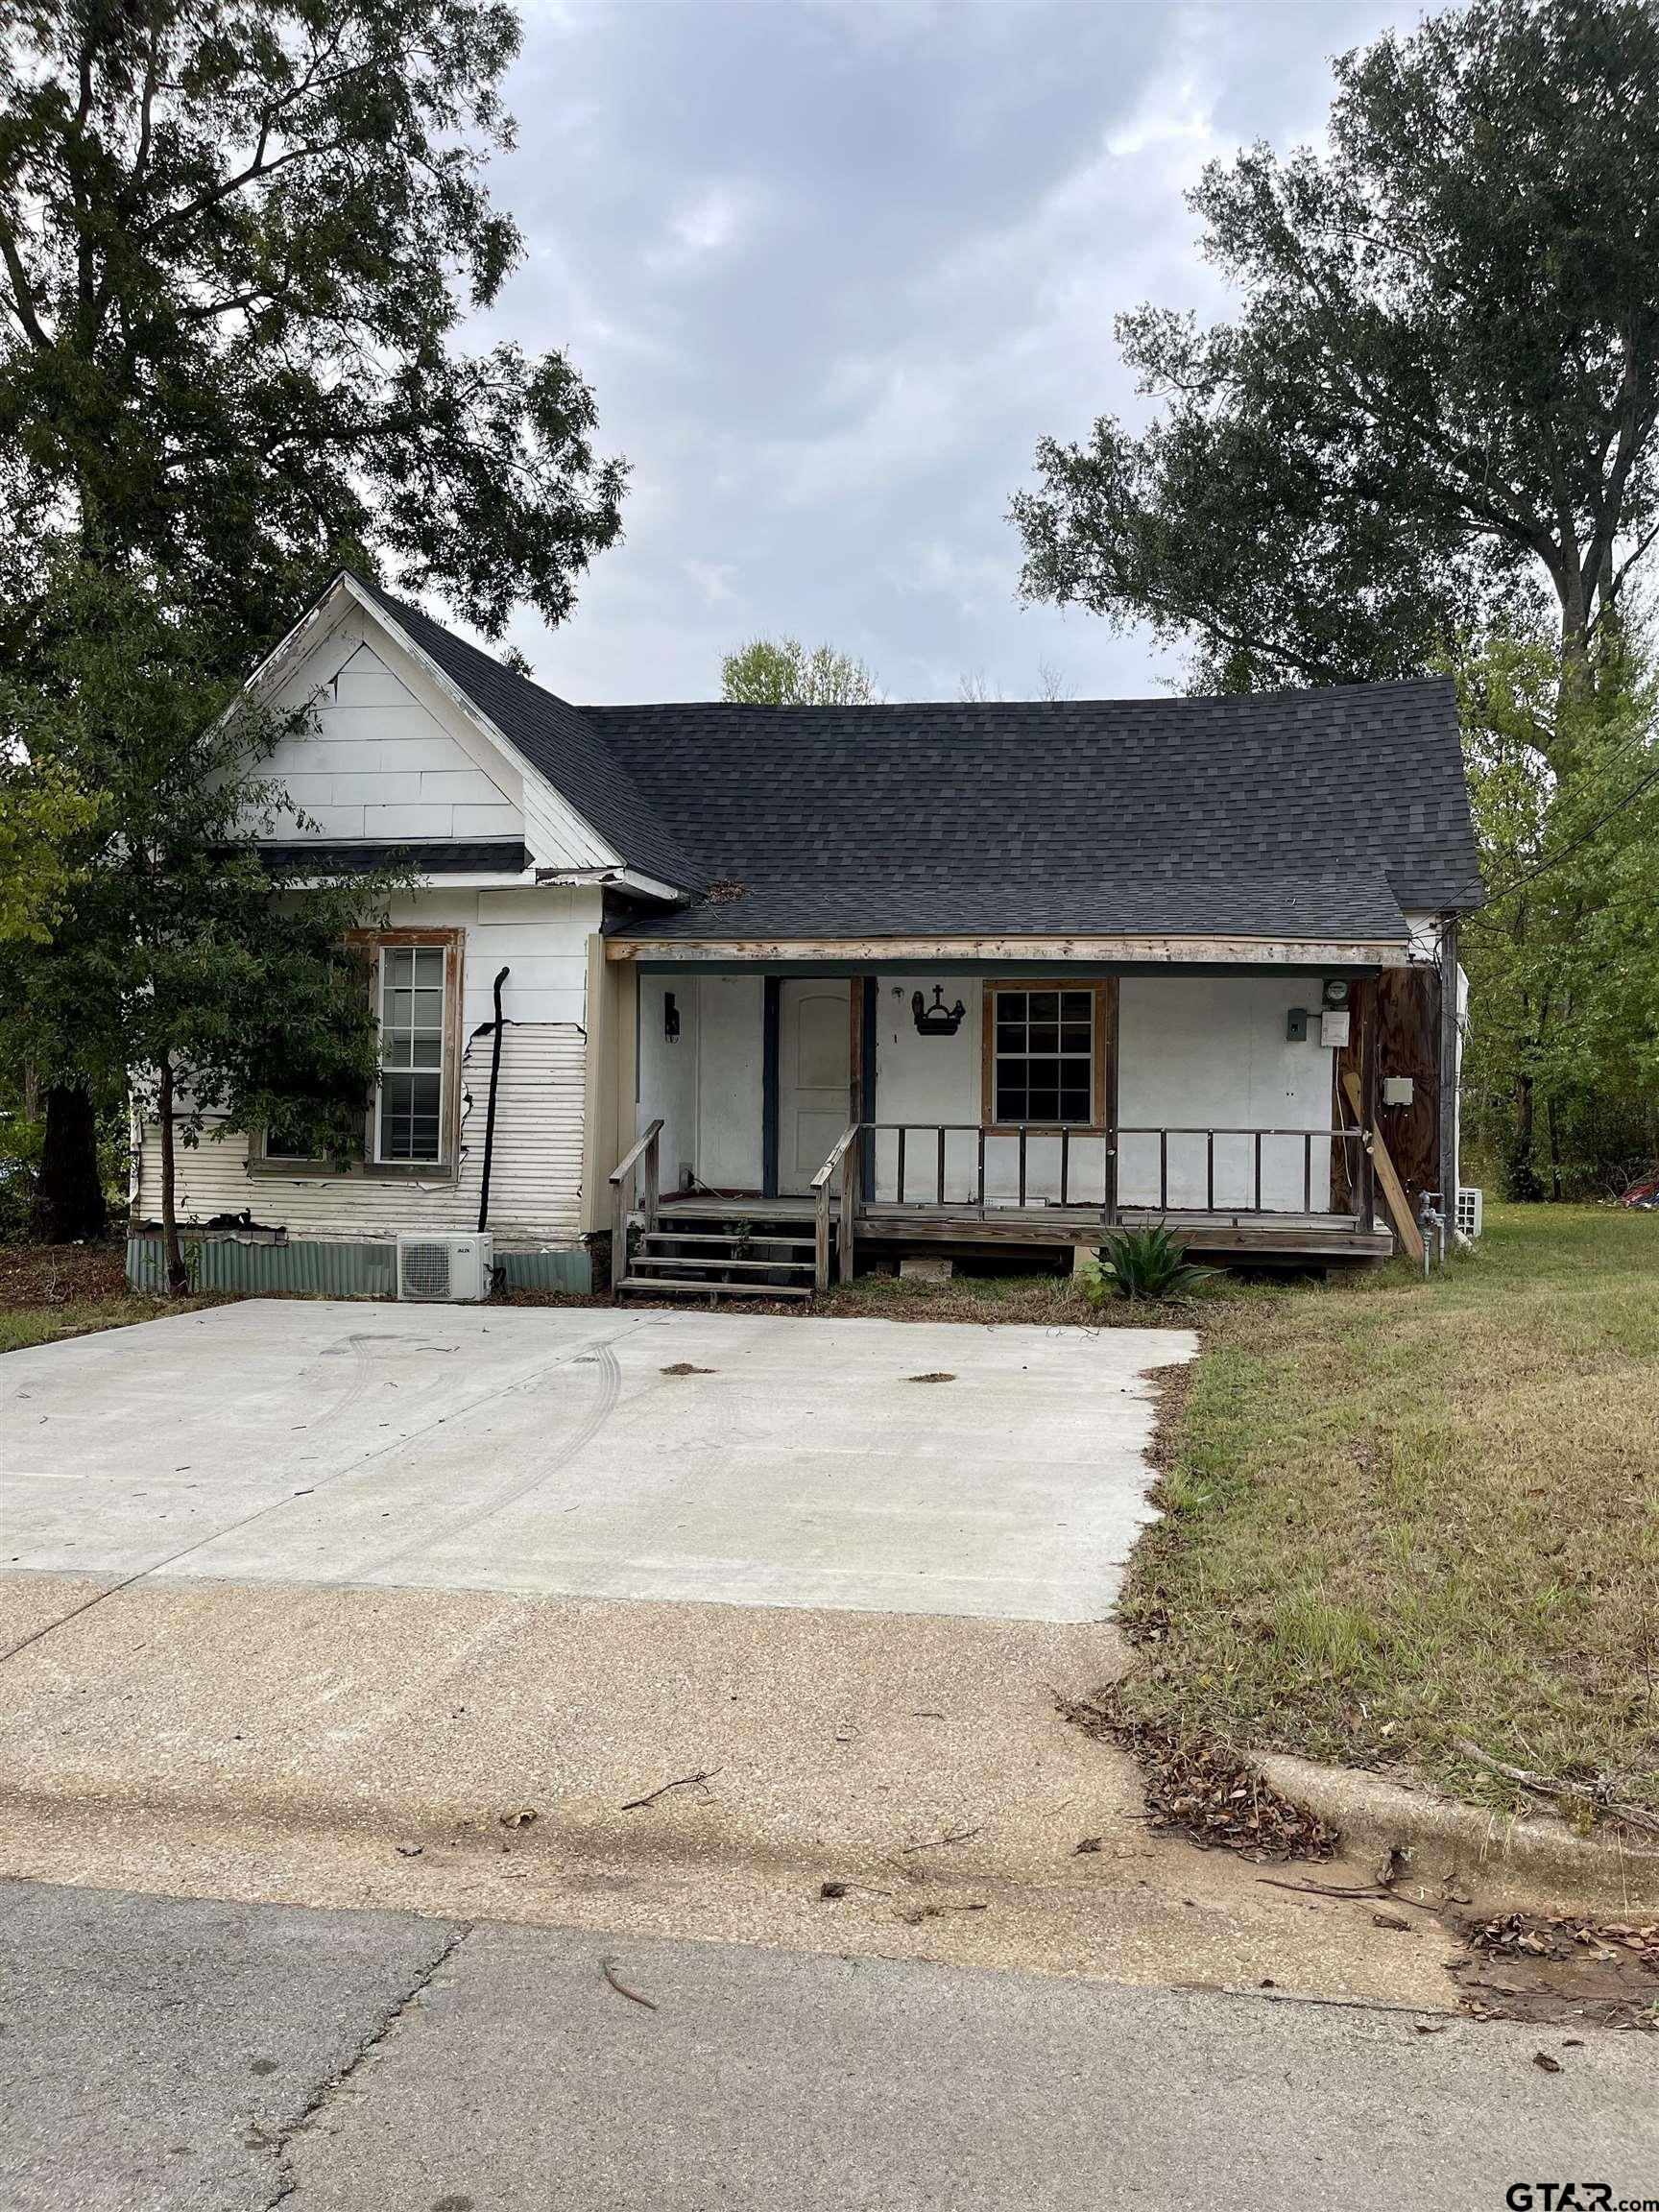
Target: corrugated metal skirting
column 328, row 1269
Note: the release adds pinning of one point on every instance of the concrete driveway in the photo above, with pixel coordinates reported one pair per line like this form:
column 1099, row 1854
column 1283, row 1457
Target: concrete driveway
column 583, row 1452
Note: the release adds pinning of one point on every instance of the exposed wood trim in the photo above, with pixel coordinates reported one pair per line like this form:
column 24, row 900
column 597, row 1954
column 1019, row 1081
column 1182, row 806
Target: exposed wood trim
column 1102, row 989
column 1370, row 1092
column 770, row 1012
column 1450, row 1071
column 1393, row 1189
column 1151, row 951
column 617, row 880
column 855, row 1048
column 1335, row 1240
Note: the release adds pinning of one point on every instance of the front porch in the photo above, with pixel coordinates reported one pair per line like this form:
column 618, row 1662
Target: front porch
column 792, row 1127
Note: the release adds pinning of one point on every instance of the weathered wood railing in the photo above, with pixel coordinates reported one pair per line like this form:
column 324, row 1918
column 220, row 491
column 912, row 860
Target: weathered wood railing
column 1059, row 1145
column 842, row 1166
column 622, row 1187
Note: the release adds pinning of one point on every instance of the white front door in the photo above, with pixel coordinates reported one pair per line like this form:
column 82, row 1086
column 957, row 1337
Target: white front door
column 814, row 1063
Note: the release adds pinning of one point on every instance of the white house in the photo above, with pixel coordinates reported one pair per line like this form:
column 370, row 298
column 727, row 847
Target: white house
column 955, row 976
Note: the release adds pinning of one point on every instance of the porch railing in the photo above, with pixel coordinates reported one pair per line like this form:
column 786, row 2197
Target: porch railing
column 641, row 1165
column 841, row 1167
column 1058, row 1165
column 924, row 1151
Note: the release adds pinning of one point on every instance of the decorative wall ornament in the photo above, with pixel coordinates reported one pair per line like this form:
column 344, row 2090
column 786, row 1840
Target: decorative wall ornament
column 937, row 1019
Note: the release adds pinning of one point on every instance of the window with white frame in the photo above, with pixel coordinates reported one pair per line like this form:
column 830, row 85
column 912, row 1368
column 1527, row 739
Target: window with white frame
column 1043, row 1058
column 409, row 1111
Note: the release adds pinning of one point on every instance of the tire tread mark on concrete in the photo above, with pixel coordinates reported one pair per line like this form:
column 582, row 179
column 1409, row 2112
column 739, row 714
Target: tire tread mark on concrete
column 272, row 1504
column 327, row 2090
column 600, row 1356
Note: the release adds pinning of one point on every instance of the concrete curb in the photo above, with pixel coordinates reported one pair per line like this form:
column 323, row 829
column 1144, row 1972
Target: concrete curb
column 1503, row 1860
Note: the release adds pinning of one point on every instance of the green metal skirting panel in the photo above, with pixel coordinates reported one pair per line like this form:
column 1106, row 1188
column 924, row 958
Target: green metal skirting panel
column 546, row 1271
column 319, row 1268
column 310, row 1266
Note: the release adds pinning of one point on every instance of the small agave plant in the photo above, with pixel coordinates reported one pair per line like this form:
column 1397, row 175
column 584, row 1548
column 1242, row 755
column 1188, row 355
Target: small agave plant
column 1145, row 1264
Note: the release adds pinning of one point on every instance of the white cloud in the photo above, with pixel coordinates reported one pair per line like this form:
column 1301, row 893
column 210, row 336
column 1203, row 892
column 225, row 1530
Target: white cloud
column 715, row 582
column 714, row 221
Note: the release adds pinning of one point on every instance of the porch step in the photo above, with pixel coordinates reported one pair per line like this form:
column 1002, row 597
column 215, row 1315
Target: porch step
column 727, row 1240
column 709, row 1265
column 660, row 1286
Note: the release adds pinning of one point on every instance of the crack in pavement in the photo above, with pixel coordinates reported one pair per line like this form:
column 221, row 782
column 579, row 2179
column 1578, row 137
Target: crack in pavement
column 327, row 2090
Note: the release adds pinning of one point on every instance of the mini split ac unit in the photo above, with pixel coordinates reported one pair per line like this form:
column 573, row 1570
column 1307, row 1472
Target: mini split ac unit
column 455, row 1269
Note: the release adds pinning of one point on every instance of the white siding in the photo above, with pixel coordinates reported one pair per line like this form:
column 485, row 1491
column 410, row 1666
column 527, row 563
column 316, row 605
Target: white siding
column 932, row 1079
column 378, row 763
column 706, row 1086
column 536, row 1179
column 1210, row 1051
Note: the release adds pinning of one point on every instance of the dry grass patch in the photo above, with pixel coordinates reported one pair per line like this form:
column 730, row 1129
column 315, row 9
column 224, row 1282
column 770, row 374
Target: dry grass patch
column 1048, row 1301
column 1402, row 1521
column 53, row 1290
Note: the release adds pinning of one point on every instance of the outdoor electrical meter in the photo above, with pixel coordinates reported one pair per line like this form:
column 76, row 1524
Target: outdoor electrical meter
column 1337, row 996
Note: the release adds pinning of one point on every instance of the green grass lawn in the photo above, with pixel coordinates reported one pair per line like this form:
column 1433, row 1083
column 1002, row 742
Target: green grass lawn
column 1399, row 1515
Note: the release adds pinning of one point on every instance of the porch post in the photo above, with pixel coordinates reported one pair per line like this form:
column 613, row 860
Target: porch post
column 1109, row 1095
column 849, row 1210
column 1370, row 995
column 1450, row 1041
column 854, row 1048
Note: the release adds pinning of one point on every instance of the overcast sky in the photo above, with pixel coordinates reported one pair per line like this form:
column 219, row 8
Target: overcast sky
column 831, row 269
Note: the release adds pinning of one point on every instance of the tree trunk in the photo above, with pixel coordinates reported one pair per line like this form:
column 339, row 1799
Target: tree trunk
column 68, row 1193
column 1523, row 1183
column 178, row 1275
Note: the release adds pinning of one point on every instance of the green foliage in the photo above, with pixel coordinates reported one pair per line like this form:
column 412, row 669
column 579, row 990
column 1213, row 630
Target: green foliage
column 218, row 984
column 19, row 1157
column 239, row 243
column 42, row 810
column 780, row 672
column 1562, row 1062
column 1144, row 1264
column 1438, row 400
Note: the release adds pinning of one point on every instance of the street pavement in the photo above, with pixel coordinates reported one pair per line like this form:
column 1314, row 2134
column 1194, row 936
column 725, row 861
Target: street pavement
column 162, row 2054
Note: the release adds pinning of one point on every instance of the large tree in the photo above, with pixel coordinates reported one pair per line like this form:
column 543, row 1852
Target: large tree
column 1438, row 397
column 1562, row 1066
column 239, row 243
column 216, row 981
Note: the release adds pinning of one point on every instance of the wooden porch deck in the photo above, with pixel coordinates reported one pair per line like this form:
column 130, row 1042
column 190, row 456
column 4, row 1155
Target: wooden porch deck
column 1222, row 1234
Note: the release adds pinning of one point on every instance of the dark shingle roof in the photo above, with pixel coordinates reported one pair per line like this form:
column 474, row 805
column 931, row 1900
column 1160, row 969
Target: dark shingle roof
column 1287, row 814
column 1318, row 813
column 554, row 737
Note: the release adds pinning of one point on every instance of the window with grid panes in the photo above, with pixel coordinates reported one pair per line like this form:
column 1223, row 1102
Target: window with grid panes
column 409, row 1124
column 1043, row 1057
